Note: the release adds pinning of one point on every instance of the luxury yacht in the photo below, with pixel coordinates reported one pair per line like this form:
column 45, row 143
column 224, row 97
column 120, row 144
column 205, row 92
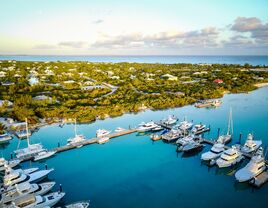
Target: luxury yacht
column 23, row 134
column 186, row 139
column 144, row 127
column 191, row 146
column 11, row 163
column 23, row 189
column 229, row 157
column 43, row 155
column 81, row 204
column 119, row 129
column 77, row 139
column 185, row 125
column 255, row 167
column 103, row 140
column 172, row 135
column 170, row 120
column 214, row 153
column 5, row 138
column 251, row 145
column 102, row 133
column 32, row 201
column 199, row 129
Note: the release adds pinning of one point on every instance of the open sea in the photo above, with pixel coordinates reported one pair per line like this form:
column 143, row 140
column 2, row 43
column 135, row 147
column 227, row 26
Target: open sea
column 134, row 172
column 253, row 60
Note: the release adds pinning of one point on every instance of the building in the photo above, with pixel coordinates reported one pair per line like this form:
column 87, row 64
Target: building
column 169, row 77
column 218, row 81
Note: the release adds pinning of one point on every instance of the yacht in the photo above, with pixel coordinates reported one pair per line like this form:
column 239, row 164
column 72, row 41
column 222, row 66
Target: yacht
column 43, row 155
column 185, row 125
column 191, row 146
column 145, row 127
column 157, row 128
column 228, row 137
column 229, row 157
column 208, row 103
column 102, row 133
column 214, row 153
column 103, row 140
column 5, row 138
column 11, row 163
column 251, row 145
column 255, row 167
column 170, row 120
column 30, row 151
column 23, row 134
column 77, row 139
column 81, row 204
column 199, row 129
column 172, row 136
column 156, row 137
column 32, row 201
column 23, row 189
column 119, row 129
column 186, row 139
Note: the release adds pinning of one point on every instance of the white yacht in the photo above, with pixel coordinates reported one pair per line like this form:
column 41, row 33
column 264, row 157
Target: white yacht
column 170, row 120
column 43, row 155
column 23, row 134
column 102, row 133
column 255, row 167
column 103, row 140
column 11, row 163
column 228, row 137
column 251, row 145
column 186, row 139
column 191, row 146
column 32, row 201
column 229, row 157
column 5, row 138
column 77, row 139
column 185, row 125
column 81, row 204
column 30, row 151
column 214, row 153
column 199, row 128
column 144, row 127
column 23, row 189
column 172, row 136
column 119, row 129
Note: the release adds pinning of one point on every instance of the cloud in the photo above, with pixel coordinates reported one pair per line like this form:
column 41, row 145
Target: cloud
column 72, row 44
column 45, row 46
column 239, row 41
column 99, row 21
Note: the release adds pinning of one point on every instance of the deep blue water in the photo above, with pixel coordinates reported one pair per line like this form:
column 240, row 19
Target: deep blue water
column 253, row 60
column 132, row 171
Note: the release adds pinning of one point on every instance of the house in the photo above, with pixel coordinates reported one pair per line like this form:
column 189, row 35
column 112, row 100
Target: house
column 218, row 81
column 169, row 77
column 6, row 102
column 92, row 87
column 2, row 74
column 42, row 97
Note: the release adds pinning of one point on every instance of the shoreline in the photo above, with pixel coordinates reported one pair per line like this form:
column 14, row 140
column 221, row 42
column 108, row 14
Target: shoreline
column 259, row 85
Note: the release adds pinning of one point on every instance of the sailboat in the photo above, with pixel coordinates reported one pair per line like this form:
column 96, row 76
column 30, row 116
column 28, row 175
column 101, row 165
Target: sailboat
column 30, row 151
column 228, row 137
column 77, row 139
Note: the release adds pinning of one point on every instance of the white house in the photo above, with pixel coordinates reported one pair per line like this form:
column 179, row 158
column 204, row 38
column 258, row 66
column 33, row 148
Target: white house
column 169, row 77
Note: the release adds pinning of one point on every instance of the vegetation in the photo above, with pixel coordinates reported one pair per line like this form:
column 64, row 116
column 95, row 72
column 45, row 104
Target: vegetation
column 96, row 90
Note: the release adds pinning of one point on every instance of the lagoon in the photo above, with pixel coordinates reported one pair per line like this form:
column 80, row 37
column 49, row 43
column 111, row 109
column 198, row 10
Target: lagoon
column 132, row 171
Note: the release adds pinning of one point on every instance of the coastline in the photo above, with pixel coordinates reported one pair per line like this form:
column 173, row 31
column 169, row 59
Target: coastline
column 259, row 85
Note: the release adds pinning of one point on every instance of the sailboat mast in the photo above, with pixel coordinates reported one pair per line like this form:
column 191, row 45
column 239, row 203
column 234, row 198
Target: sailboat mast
column 230, row 123
column 75, row 127
column 27, row 132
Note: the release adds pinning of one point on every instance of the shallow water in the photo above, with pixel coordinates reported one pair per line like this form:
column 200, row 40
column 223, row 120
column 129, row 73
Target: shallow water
column 133, row 171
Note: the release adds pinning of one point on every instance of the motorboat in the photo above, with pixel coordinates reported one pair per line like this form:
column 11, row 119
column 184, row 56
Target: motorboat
column 199, row 129
column 145, row 127
column 255, row 167
column 186, row 139
column 23, row 134
column 251, row 145
column 43, row 155
column 170, row 120
column 23, row 189
column 77, row 139
column 5, row 138
column 119, row 129
column 102, row 133
column 185, row 125
column 103, row 140
column 229, row 157
column 172, row 136
column 11, row 163
column 155, row 137
column 214, row 153
column 208, row 103
column 81, row 204
column 30, row 151
column 228, row 136
column 191, row 146
column 224, row 138
column 32, row 201
column 157, row 128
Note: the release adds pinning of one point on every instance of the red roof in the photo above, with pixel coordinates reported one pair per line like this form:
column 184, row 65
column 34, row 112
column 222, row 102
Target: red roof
column 218, row 81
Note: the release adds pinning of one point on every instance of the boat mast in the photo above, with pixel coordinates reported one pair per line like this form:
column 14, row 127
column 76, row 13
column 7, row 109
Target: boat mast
column 75, row 132
column 27, row 133
column 230, row 123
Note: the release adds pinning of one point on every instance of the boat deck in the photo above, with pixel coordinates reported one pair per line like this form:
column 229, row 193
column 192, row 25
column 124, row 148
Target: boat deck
column 260, row 179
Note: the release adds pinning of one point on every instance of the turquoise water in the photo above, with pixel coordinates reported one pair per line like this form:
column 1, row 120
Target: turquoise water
column 254, row 60
column 132, row 171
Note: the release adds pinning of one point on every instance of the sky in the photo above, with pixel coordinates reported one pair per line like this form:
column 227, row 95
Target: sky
column 140, row 27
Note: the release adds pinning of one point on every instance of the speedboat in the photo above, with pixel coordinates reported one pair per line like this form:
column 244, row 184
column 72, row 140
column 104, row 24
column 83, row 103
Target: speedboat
column 170, row 120
column 102, row 132
column 145, row 127
column 119, row 129
column 214, row 153
column 23, row 189
column 103, row 140
column 4, row 138
column 251, row 145
column 81, row 204
column 199, row 129
column 192, row 146
column 43, row 155
column 255, row 167
column 229, row 157
column 11, row 163
column 155, row 137
column 32, row 201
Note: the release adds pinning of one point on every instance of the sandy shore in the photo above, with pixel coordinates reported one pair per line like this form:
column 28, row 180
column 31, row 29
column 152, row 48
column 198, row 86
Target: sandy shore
column 261, row 84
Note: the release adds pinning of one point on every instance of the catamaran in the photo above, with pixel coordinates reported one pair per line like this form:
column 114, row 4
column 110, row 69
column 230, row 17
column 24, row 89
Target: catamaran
column 228, row 137
column 77, row 139
column 251, row 145
column 30, row 151
column 229, row 157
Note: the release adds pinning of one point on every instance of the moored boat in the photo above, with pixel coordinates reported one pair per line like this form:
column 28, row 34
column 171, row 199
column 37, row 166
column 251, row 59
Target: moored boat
column 214, row 153
column 251, row 145
column 103, row 140
column 145, row 127
column 5, row 138
column 43, row 155
column 229, row 157
column 102, row 133
column 170, row 120
column 81, row 204
column 11, row 163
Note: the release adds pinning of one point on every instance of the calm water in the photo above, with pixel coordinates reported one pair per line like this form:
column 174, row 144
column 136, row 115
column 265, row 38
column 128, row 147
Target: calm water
column 254, row 60
column 132, row 171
